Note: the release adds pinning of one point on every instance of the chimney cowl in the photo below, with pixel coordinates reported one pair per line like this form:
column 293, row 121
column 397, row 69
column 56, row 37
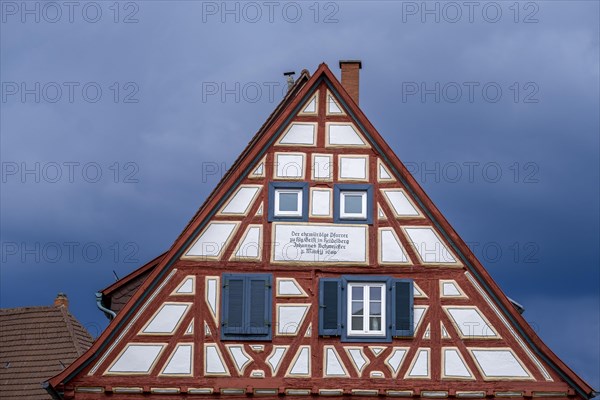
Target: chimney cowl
column 290, row 78
column 359, row 62
column 61, row 300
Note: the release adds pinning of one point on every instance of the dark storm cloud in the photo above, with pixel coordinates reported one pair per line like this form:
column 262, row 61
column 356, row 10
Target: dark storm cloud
column 160, row 140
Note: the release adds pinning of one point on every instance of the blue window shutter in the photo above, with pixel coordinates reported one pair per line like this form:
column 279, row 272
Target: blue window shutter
column 246, row 311
column 259, row 301
column 330, row 307
column 233, row 304
column 402, row 307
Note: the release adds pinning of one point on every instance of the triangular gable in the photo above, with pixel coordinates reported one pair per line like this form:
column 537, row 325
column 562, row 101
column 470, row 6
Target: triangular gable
column 440, row 234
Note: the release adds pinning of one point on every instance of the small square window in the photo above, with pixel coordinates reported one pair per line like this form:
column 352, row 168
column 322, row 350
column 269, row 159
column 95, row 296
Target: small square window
column 353, row 205
column 288, row 203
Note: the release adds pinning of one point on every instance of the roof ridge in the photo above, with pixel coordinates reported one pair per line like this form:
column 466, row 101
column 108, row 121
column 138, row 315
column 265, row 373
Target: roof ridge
column 66, row 317
column 25, row 308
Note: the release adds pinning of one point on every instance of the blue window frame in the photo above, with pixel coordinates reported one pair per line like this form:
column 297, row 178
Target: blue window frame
column 246, row 307
column 353, row 203
column 366, row 308
column 288, row 201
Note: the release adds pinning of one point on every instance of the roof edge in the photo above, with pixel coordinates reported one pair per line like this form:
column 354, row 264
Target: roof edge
column 194, row 225
column 440, row 221
column 132, row 275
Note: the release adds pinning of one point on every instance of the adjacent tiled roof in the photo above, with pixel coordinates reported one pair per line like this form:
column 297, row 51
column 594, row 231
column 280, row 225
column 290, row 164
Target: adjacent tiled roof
column 37, row 343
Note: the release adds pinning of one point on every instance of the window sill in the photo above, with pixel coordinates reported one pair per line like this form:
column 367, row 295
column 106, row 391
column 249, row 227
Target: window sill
column 354, row 221
column 366, row 339
column 247, row 338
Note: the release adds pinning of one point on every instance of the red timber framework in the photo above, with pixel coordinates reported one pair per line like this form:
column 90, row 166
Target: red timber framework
column 318, row 267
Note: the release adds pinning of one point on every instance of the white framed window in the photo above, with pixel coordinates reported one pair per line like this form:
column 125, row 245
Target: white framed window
column 353, row 204
column 288, row 202
column 366, row 309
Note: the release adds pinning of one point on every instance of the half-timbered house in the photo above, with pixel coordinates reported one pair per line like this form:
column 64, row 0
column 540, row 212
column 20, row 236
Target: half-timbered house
column 318, row 267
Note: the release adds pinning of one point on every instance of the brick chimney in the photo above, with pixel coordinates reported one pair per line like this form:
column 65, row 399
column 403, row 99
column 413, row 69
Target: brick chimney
column 61, row 300
column 350, row 77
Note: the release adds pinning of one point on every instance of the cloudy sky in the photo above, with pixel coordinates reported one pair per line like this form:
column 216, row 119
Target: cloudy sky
column 117, row 121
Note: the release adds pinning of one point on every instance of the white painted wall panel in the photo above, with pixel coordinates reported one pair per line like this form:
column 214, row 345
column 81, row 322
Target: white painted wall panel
column 391, row 249
column 181, row 362
column 166, row 319
column 449, row 289
column 186, row 287
column 418, row 313
column 400, row 203
column 429, row 246
column 211, row 242
column 454, row 365
column 353, row 168
column 289, row 166
column 213, row 363
column 499, row 363
column 136, row 359
column 239, row 356
column 311, row 107
column 320, row 202
column 358, row 358
column 251, row 245
column 332, row 107
column 301, row 134
column 470, row 322
column 395, row 359
column 274, row 360
column 420, row 368
column 333, row 365
column 301, row 366
column 211, row 294
column 322, row 167
column 241, row 200
column 289, row 318
column 344, row 134
column 288, row 287
column 383, row 173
